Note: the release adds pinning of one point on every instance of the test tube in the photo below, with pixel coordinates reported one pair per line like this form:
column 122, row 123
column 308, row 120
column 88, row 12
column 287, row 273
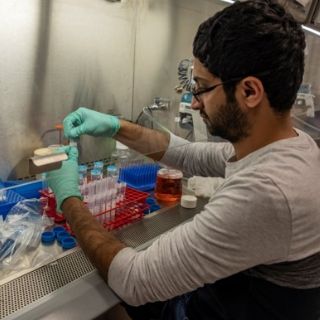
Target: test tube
column 83, row 169
column 113, row 173
column 123, row 188
column 113, row 203
column 95, row 174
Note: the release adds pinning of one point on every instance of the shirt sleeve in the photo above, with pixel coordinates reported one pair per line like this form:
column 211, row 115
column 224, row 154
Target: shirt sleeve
column 242, row 226
column 197, row 158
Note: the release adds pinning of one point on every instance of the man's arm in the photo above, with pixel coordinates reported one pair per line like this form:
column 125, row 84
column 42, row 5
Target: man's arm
column 149, row 142
column 99, row 245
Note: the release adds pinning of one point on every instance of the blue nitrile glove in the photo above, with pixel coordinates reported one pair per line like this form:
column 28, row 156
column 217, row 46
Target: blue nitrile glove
column 87, row 121
column 64, row 182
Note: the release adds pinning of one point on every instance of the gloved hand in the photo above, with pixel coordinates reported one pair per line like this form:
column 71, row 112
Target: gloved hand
column 64, row 182
column 204, row 186
column 93, row 123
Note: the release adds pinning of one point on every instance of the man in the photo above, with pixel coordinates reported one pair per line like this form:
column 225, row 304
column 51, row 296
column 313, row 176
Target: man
column 253, row 252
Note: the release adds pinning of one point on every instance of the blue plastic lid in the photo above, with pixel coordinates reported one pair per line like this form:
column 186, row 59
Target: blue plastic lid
column 154, row 207
column 61, row 235
column 95, row 172
column 47, row 237
column 112, row 168
column 58, row 229
column 98, row 165
column 186, row 97
column 150, row 200
column 68, row 243
column 82, row 168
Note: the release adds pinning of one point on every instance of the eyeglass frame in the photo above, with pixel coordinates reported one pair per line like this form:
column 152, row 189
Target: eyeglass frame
column 200, row 92
column 197, row 94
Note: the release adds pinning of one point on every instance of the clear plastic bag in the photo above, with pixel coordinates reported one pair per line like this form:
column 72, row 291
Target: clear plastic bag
column 20, row 237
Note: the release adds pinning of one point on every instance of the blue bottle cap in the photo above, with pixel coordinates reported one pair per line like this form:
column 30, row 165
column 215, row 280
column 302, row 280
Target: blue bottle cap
column 98, row 165
column 112, row 168
column 150, row 200
column 58, row 229
column 82, row 168
column 68, row 243
column 95, row 172
column 61, row 235
column 186, row 97
column 154, row 207
column 47, row 237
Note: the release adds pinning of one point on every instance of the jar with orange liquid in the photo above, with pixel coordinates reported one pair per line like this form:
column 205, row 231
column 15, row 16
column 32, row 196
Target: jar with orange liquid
column 168, row 185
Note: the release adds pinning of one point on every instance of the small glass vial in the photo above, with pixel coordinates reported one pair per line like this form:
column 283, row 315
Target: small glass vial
column 168, row 185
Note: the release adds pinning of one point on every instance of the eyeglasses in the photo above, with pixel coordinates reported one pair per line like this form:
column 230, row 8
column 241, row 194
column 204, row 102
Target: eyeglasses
column 197, row 93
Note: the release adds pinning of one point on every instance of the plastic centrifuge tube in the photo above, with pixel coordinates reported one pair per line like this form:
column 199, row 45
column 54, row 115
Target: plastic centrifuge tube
column 83, row 169
column 113, row 203
column 95, row 174
column 113, row 174
column 98, row 165
column 123, row 188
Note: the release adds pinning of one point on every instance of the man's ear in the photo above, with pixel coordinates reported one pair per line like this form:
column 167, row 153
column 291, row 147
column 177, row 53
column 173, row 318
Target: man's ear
column 251, row 91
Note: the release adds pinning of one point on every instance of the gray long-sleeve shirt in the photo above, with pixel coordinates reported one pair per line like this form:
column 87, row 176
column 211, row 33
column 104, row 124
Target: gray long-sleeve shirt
column 263, row 218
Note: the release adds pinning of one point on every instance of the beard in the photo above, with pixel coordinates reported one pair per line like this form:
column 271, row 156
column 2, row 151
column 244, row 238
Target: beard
column 229, row 122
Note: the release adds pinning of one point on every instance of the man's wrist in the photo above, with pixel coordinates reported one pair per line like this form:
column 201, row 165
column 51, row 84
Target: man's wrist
column 69, row 203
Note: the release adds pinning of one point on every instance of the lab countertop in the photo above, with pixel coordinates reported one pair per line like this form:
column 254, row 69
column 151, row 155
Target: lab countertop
column 69, row 287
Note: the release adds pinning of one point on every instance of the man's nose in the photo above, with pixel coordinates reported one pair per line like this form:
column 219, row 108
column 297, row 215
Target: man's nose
column 195, row 104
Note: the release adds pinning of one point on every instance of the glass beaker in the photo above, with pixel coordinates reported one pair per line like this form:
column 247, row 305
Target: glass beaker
column 168, row 185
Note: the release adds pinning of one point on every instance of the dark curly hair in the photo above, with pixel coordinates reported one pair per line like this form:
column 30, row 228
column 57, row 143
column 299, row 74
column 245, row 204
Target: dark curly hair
column 254, row 38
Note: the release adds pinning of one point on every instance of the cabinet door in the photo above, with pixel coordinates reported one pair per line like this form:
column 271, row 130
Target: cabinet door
column 300, row 9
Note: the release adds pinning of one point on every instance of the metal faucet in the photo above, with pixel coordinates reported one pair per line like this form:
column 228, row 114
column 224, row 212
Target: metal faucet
column 160, row 104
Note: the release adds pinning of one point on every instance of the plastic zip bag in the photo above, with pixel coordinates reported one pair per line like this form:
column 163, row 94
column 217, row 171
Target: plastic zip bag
column 20, row 236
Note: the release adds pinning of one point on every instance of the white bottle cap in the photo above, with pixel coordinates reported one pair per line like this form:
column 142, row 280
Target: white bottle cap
column 42, row 152
column 188, row 201
column 121, row 146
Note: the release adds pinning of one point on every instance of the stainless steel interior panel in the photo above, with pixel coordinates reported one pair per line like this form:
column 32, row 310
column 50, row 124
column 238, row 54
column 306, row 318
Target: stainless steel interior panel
column 57, row 55
column 165, row 32
column 111, row 56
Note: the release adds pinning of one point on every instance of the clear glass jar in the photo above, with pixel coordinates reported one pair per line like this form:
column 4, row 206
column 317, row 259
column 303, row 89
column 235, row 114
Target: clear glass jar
column 168, row 185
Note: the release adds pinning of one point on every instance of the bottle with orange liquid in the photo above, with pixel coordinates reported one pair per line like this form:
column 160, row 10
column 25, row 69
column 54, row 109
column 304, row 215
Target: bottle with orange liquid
column 168, row 185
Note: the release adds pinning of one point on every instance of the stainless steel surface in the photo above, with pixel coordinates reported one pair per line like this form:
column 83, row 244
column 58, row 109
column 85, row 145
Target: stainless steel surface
column 56, row 56
column 140, row 234
column 110, row 56
column 30, row 287
column 37, row 294
column 165, row 32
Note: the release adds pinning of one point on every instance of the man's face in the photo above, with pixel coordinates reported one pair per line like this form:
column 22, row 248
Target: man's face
column 222, row 114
